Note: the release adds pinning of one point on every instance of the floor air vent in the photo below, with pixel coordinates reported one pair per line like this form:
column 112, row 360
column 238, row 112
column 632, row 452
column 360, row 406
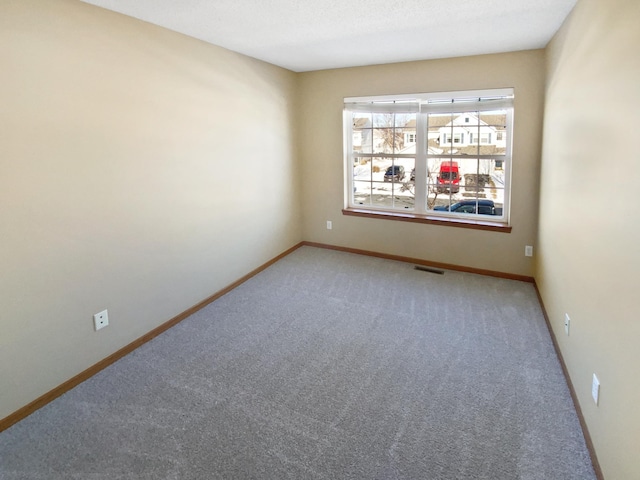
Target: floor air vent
column 428, row 269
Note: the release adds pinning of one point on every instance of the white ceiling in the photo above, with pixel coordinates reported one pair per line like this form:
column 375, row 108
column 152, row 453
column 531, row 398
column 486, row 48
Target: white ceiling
column 304, row 35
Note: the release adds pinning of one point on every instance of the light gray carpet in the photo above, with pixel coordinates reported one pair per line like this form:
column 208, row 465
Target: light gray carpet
column 327, row 365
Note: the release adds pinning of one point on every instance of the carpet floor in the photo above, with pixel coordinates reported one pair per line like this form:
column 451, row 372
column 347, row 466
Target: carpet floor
column 326, row 365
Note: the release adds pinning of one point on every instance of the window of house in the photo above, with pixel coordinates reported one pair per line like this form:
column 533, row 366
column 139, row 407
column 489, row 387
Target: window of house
column 435, row 156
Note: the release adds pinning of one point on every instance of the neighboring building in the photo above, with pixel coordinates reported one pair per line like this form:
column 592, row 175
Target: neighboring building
column 465, row 133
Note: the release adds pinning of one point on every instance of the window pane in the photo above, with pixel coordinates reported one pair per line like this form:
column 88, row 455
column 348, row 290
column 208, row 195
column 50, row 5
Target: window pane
column 362, row 132
column 397, row 191
column 443, row 183
column 460, row 182
column 467, row 120
column 405, row 120
column 384, row 182
column 362, row 140
column 361, row 120
column 362, row 169
column 473, row 178
column 447, row 175
column 493, row 133
column 384, row 120
column 392, row 133
column 497, row 195
column 387, row 140
column 438, row 135
column 468, row 133
column 481, row 184
column 361, row 193
column 406, row 140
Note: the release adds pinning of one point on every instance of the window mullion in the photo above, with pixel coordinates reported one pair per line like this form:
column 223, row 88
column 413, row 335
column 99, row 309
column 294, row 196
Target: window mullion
column 347, row 125
column 478, row 150
column 420, row 188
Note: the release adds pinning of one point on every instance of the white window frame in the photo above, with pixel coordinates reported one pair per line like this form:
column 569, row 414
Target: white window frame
column 423, row 104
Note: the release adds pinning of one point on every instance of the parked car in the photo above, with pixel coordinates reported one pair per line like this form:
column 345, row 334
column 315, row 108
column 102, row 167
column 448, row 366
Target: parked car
column 485, row 207
column 394, row 172
column 449, row 177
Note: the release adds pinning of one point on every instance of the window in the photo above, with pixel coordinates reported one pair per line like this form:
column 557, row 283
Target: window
column 435, row 156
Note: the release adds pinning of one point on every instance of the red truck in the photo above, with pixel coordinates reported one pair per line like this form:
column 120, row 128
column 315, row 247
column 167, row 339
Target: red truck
column 449, row 177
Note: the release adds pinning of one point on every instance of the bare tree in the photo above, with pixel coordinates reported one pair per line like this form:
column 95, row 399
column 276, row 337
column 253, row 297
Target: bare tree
column 410, row 187
column 391, row 137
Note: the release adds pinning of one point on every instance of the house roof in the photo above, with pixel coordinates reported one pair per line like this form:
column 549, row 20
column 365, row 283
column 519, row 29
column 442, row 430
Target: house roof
column 439, row 121
column 361, row 122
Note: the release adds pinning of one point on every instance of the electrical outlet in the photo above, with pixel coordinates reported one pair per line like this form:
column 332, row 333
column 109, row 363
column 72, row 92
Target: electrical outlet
column 329, row 225
column 101, row 320
column 567, row 322
column 528, row 251
column 595, row 389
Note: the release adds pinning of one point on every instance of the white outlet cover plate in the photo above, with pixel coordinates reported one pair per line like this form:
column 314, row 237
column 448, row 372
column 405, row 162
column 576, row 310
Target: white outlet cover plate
column 101, row 320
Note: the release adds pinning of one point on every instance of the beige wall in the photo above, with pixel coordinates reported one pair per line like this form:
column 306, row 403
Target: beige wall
column 140, row 171
column 321, row 96
column 588, row 261
column 132, row 177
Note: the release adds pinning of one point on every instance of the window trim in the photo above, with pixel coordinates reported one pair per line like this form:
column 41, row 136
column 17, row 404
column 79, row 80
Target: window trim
column 422, row 105
column 410, row 217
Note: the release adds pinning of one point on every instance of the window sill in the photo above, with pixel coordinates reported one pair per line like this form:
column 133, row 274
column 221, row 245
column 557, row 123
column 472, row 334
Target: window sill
column 428, row 219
